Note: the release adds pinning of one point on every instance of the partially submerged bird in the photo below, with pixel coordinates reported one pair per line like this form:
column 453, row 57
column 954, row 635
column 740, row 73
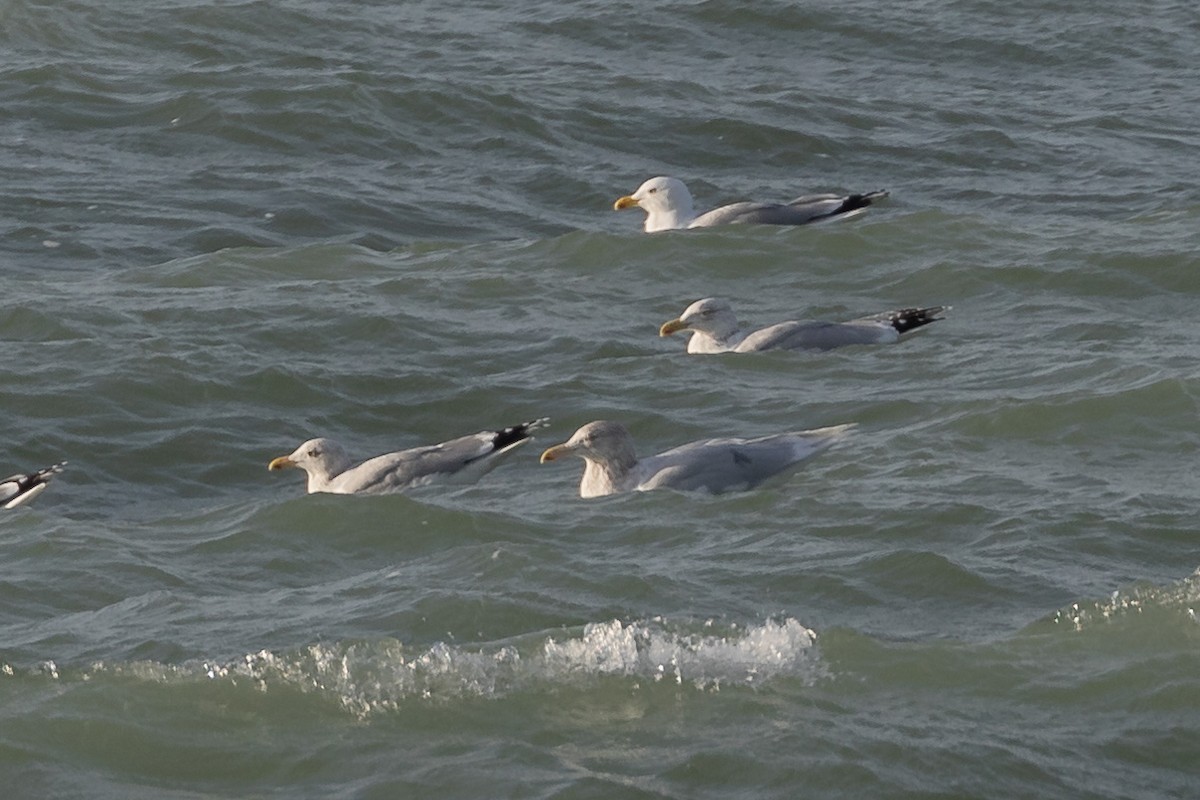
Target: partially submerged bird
column 668, row 205
column 714, row 329
column 17, row 490
column 462, row 460
column 711, row 465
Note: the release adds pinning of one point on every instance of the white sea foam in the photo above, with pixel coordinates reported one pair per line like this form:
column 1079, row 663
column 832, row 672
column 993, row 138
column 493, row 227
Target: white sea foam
column 1179, row 598
column 648, row 650
column 380, row 675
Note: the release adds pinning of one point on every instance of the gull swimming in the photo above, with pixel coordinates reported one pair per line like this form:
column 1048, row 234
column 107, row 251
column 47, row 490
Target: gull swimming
column 668, row 206
column 714, row 329
column 463, row 460
column 709, row 465
column 17, row 490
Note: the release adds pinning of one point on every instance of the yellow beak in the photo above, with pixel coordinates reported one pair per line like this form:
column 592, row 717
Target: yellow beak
column 628, row 201
column 556, row 452
column 283, row 462
column 673, row 326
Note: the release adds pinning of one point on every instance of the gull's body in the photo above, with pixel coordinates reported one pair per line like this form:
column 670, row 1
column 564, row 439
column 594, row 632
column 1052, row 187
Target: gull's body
column 668, row 206
column 714, row 328
column 712, row 465
column 17, row 490
column 462, row 460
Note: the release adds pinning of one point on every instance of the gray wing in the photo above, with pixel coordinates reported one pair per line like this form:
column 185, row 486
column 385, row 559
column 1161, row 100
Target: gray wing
column 802, row 210
column 19, row 489
column 721, row 465
column 738, row 213
column 10, row 487
column 461, row 460
column 817, row 335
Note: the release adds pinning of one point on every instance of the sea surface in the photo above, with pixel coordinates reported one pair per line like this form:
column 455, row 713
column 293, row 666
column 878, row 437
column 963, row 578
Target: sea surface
column 227, row 227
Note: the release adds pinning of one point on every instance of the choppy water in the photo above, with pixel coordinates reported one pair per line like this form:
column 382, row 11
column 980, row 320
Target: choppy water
column 227, row 227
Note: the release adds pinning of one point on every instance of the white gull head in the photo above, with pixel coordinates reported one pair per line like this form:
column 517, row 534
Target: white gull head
column 712, row 322
column 666, row 201
column 322, row 459
column 607, row 451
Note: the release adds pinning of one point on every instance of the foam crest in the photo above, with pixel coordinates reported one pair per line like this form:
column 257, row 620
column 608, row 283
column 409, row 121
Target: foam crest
column 374, row 676
column 381, row 675
column 613, row 648
column 1178, row 598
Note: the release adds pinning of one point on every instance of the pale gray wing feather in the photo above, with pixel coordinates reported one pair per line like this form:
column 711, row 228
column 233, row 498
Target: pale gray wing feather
column 17, row 490
column 9, row 488
column 816, row 335
column 421, row 465
column 802, row 210
column 823, row 197
column 798, row 212
column 736, row 213
column 719, row 465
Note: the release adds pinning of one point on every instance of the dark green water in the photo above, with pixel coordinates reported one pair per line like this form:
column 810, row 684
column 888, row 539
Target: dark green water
column 229, row 227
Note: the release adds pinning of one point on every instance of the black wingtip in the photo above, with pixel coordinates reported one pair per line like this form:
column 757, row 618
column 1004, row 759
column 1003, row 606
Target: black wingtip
column 518, row 433
column 22, row 487
column 906, row 319
column 857, row 201
column 51, row 470
column 41, row 476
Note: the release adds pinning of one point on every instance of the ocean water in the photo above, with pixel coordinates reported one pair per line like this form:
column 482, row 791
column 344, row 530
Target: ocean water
column 230, row 226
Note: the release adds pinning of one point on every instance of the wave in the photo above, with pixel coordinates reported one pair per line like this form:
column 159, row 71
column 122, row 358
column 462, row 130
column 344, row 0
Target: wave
column 368, row 677
column 1176, row 601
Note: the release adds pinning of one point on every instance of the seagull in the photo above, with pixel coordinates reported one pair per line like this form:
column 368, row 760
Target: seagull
column 714, row 329
column 668, row 205
column 711, row 465
column 17, row 490
column 463, row 460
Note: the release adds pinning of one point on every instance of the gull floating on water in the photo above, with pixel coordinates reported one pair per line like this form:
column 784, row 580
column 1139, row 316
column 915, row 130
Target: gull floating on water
column 17, row 490
column 462, row 460
column 711, row 465
column 714, row 329
column 668, row 205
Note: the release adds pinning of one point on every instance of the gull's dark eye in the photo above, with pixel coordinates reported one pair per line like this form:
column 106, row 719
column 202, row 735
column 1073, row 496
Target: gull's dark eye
column 652, row 191
column 314, row 452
